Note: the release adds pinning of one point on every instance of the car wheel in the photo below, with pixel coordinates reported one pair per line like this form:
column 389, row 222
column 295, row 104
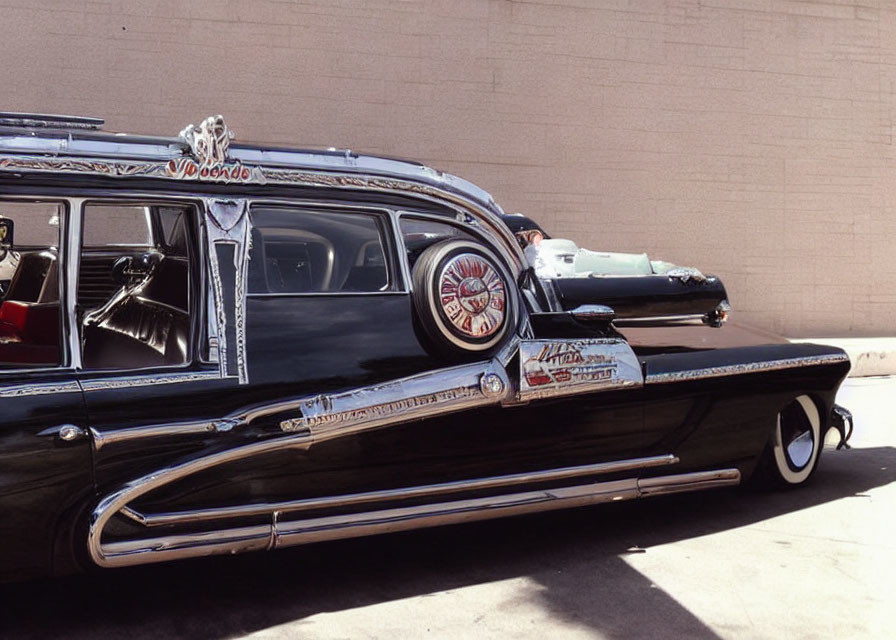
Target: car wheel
column 463, row 297
column 792, row 454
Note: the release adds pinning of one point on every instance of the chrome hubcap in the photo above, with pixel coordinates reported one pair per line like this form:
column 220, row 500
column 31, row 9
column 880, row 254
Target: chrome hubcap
column 472, row 295
column 799, row 450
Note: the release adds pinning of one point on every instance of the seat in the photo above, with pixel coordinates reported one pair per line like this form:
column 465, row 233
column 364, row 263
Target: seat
column 146, row 323
column 29, row 316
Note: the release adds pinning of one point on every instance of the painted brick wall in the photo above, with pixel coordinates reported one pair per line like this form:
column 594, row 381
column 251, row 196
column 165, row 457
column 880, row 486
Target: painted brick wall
column 753, row 139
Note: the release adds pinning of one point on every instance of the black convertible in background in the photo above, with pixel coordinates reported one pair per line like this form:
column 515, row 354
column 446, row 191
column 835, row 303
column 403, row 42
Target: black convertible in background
column 211, row 348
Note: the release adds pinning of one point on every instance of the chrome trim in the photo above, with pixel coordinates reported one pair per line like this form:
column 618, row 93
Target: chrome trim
column 327, row 294
column 401, row 251
column 71, row 266
column 279, row 533
column 15, row 119
column 125, row 382
column 681, row 483
column 227, row 223
column 409, row 398
column 38, row 389
column 289, row 506
column 743, row 368
column 412, row 398
column 661, row 321
column 593, row 312
column 209, row 142
column 557, row 367
column 70, row 432
column 65, row 432
column 293, row 168
column 103, row 438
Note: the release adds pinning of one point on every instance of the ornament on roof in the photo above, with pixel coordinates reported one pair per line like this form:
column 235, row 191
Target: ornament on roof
column 209, row 142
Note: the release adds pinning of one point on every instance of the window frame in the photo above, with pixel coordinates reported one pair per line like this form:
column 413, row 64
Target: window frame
column 387, row 229
column 197, row 292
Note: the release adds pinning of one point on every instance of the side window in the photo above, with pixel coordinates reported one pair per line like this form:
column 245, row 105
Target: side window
column 297, row 251
column 30, row 313
column 134, row 304
column 421, row 233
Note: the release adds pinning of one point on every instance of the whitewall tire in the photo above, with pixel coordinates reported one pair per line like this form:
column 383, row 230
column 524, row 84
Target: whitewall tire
column 796, row 443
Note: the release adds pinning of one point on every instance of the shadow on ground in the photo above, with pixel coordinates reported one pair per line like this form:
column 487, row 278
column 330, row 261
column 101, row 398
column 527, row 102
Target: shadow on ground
column 576, row 556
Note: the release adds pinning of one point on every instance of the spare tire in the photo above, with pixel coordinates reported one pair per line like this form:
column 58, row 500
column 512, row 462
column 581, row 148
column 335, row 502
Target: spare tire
column 464, row 297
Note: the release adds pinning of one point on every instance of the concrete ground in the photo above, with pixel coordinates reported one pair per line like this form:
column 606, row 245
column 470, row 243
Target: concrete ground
column 819, row 562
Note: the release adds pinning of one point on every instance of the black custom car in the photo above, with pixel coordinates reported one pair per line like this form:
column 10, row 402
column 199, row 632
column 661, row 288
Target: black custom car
column 211, row 348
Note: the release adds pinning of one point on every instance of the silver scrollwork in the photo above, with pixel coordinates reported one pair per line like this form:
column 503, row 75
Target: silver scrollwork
column 209, row 142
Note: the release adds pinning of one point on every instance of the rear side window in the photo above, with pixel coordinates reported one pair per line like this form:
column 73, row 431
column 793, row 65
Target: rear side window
column 296, row 251
column 119, row 225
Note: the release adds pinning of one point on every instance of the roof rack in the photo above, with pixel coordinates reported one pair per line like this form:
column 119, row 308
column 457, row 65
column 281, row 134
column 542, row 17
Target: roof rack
column 51, row 121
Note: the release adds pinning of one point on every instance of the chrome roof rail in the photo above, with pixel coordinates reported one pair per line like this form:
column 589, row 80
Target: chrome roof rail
column 10, row 119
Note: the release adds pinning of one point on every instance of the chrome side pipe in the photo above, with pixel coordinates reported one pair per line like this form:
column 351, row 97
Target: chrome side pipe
column 284, row 533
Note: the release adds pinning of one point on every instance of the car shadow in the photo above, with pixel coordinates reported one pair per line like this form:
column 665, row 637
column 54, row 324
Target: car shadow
column 576, row 557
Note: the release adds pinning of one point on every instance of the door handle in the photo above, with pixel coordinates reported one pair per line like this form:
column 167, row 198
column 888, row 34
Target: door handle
column 65, row 432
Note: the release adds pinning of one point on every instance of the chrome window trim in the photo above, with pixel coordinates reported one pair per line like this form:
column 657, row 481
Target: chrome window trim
column 327, row 294
column 108, row 146
column 71, row 356
column 421, row 182
column 238, row 234
column 149, row 199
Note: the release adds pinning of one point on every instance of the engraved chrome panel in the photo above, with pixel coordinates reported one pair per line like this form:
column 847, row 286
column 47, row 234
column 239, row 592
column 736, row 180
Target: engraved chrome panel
column 124, row 382
column 228, row 228
column 280, row 532
column 38, row 389
column 414, row 397
column 557, row 367
column 472, row 295
column 744, row 368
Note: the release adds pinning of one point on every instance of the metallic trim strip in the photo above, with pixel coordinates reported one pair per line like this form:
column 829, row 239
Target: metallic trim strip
column 749, row 367
column 666, row 485
column 279, row 534
column 455, row 388
column 71, row 269
column 38, row 389
column 126, row 382
column 327, row 294
column 227, row 223
column 423, row 182
column 531, row 477
column 410, row 398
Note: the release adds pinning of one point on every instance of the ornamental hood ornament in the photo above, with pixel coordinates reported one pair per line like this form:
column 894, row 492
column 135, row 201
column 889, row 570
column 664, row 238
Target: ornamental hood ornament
column 209, row 142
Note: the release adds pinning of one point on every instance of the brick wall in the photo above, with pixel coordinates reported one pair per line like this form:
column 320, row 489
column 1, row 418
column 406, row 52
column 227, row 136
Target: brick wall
column 753, row 139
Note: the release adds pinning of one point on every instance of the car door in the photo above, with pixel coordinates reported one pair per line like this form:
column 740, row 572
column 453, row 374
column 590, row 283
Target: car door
column 45, row 465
